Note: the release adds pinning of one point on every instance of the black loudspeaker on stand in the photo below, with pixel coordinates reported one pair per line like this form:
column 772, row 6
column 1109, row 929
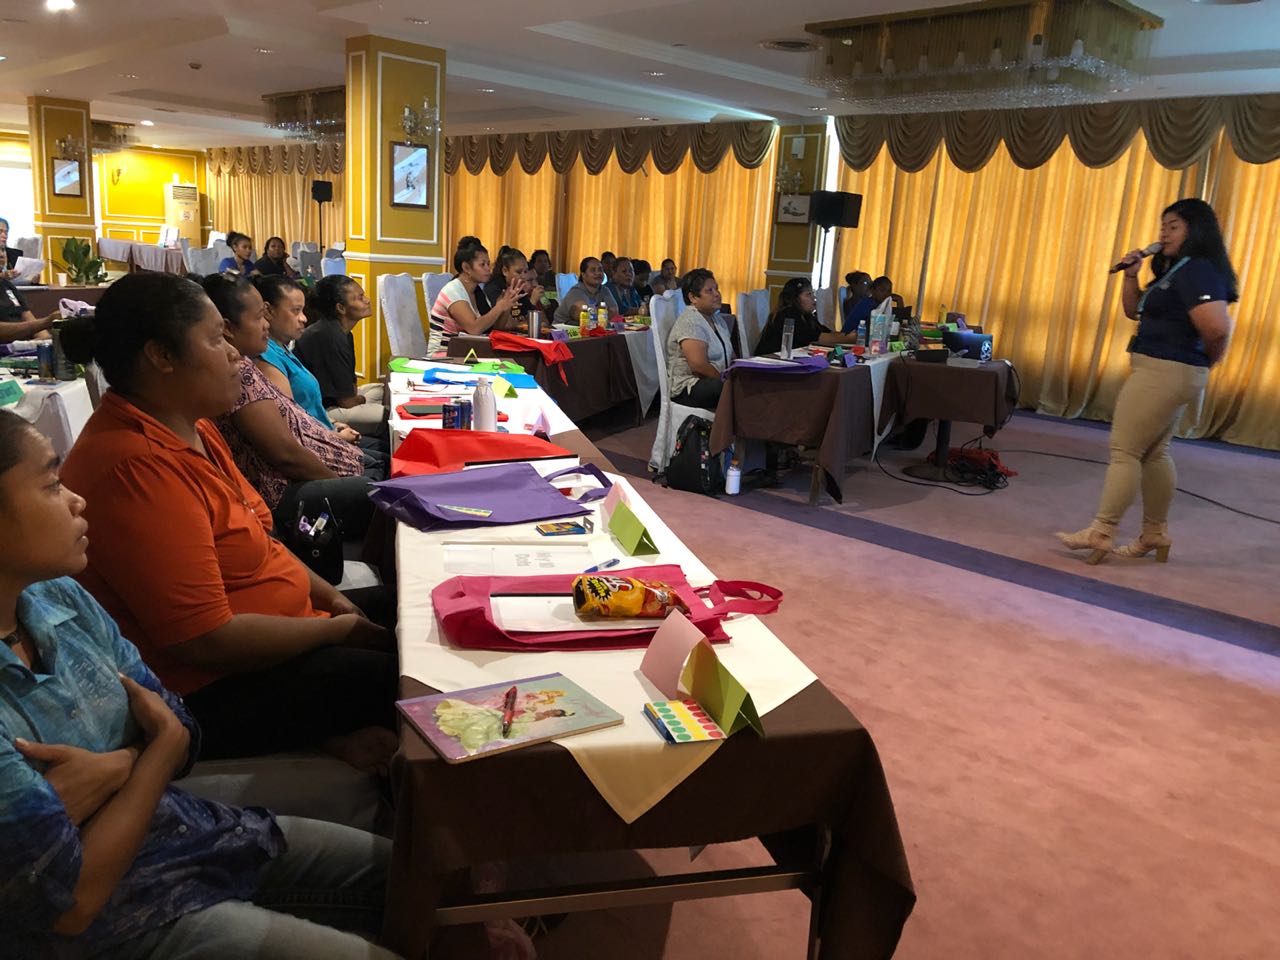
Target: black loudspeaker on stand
column 322, row 193
column 831, row 208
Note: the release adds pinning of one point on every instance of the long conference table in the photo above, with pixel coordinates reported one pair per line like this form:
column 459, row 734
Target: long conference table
column 812, row 789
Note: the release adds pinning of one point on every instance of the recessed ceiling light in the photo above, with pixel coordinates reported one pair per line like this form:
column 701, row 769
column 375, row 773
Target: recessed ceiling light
column 128, row 76
column 646, row 118
column 420, row 21
column 147, row 123
column 4, row 58
column 488, row 128
column 819, row 109
column 265, row 50
column 487, row 90
column 655, row 73
column 57, row 6
column 156, row 146
column 789, row 46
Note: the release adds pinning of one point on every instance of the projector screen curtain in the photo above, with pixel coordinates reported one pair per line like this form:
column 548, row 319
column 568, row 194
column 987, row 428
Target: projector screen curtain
column 1026, row 252
column 277, row 204
column 711, row 219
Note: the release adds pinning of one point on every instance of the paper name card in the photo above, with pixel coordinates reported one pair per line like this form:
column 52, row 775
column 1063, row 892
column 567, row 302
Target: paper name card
column 626, row 527
column 501, row 388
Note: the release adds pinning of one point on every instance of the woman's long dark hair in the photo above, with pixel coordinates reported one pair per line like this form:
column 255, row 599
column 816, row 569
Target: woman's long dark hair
column 325, row 298
column 468, row 249
column 791, row 291
column 1204, row 239
column 506, row 257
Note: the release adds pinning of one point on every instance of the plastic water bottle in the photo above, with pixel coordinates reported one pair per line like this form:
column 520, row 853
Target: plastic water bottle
column 584, row 318
column 862, row 332
column 733, row 479
column 484, row 408
column 602, row 316
column 788, row 337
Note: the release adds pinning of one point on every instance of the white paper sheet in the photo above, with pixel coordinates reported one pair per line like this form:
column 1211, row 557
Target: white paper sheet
column 484, row 559
column 552, row 615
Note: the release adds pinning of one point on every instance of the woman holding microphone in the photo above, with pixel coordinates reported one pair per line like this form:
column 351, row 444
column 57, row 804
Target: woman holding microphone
column 1183, row 330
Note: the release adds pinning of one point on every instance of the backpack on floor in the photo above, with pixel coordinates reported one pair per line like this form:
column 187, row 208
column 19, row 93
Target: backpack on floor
column 693, row 466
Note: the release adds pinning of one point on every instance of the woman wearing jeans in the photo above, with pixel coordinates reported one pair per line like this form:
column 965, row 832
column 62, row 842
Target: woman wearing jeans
column 1183, row 330
column 99, row 854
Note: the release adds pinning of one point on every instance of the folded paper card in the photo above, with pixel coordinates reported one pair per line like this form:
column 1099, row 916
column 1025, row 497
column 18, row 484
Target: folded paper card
column 680, row 661
column 626, row 527
column 502, row 388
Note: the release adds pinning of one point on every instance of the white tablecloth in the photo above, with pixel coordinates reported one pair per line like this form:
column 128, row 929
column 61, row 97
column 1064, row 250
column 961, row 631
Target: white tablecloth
column 59, row 412
column 644, row 364
column 629, row 764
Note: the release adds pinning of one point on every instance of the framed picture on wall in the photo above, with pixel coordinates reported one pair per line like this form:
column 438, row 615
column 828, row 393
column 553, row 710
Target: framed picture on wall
column 66, row 178
column 792, row 208
column 410, row 176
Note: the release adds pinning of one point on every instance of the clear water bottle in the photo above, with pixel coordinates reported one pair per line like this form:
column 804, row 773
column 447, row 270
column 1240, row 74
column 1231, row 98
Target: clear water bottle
column 484, row 407
column 788, row 337
column 602, row 316
column 733, row 479
column 862, row 332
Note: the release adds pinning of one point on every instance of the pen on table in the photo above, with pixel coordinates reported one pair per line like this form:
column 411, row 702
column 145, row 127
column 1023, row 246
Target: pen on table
column 508, row 711
column 602, row 566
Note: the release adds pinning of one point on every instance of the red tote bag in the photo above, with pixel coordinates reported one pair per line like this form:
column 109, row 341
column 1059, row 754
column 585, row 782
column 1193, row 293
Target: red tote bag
column 441, row 451
column 465, row 613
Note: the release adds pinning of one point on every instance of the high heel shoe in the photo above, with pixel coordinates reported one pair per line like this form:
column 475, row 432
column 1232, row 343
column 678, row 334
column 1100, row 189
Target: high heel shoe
column 1092, row 538
column 1153, row 537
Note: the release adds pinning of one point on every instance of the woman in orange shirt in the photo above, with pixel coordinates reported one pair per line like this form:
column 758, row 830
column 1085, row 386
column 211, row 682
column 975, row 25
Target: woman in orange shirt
column 267, row 655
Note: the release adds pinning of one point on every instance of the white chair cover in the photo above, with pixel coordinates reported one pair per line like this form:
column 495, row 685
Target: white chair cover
column 564, row 283
column 663, row 311
column 432, row 284
column 217, row 237
column 203, row 260
column 333, row 266
column 30, row 246
column 310, row 262
column 826, row 307
column 398, row 302
column 58, row 412
column 753, row 314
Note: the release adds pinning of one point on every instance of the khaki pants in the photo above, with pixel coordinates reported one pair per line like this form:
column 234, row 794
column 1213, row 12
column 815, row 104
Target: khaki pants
column 1148, row 408
column 370, row 417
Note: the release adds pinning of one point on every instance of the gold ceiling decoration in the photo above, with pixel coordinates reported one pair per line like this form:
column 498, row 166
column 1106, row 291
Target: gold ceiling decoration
column 988, row 55
column 312, row 116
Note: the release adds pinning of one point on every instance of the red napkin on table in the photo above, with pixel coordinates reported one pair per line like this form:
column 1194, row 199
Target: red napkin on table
column 553, row 352
column 441, row 451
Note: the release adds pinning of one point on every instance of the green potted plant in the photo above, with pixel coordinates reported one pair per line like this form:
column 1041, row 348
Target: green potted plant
column 80, row 265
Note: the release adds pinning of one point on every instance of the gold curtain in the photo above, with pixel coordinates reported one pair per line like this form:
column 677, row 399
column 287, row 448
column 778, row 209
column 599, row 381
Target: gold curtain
column 517, row 208
column 1176, row 132
column 279, row 204
column 1025, row 254
column 719, row 220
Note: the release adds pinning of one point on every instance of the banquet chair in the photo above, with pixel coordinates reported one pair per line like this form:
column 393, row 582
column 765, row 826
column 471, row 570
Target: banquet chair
column 30, row 246
column 564, row 283
column 203, row 260
column 217, row 237
column 663, row 311
column 750, row 321
column 310, row 262
column 826, row 308
column 398, row 303
column 333, row 266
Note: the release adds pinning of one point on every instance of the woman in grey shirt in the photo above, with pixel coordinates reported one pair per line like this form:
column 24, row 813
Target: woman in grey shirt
column 589, row 289
column 700, row 347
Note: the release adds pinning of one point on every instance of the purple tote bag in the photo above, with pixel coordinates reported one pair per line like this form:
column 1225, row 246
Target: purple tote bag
column 501, row 494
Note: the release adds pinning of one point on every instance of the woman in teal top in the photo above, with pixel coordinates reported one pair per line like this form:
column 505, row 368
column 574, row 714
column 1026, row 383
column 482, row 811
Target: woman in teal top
column 284, row 300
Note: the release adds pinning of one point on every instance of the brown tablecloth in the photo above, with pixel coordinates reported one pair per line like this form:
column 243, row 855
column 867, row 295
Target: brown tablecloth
column 598, row 378
column 44, row 300
column 913, row 390
column 832, row 410
column 149, row 256
column 817, row 767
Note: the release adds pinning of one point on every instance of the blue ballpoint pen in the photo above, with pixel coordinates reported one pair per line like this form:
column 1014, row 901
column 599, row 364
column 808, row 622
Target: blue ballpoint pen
column 602, row 566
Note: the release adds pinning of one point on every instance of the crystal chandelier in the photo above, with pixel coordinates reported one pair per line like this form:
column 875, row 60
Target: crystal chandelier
column 110, row 137
column 423, row 125
column 789, row 180
column 312, row 116
column 990, row 55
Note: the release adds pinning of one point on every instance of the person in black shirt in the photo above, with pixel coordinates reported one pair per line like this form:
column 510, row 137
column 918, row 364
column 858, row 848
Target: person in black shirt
column 512, row 268
column 643, row 271
column 274, row 260
column 17, row 322
column 1183, row 329
column 11, row 254
column 327, row 348
column 796, row 302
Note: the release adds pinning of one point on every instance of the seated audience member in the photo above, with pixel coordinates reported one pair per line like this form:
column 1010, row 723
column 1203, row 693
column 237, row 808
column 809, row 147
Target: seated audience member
column 860, row 312
column 623, row 288
column 669, row 275
column 287, row 455
column 857, row 289
column 327, row 348
column 461, row 305
column 17, row 322
column 607, row 260
column 543, row 272
column 643, row 271
column 796, row 302
column 241, row 251
column 275, row 260
column 699, row 347
column 267, row 656
column 101, row 854
column 513, row 270
column 589, row 289
column 11, row 254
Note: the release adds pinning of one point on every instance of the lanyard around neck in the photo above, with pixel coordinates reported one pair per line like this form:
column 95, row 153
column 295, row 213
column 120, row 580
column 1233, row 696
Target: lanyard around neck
column 1162, row 283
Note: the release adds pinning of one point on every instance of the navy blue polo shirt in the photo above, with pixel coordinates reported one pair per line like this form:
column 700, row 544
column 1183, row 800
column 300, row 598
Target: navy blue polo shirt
column 1165, row 330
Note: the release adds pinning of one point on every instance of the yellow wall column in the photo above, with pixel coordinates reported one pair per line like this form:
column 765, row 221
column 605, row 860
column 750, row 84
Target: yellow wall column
column 792, row 246
column 59, row 216
column 131, row 184
column 383, row 236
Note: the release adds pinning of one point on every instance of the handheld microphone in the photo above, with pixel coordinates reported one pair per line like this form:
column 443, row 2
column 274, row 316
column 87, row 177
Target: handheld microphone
column 1150, row 250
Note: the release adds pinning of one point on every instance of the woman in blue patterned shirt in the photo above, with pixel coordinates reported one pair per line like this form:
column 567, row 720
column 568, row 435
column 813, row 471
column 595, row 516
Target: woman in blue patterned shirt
column 99, row 854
